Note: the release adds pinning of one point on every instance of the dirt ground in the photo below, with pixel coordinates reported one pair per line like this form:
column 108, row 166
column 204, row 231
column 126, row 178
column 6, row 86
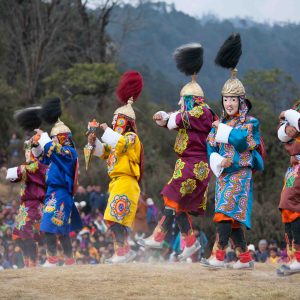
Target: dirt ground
column 147, row 281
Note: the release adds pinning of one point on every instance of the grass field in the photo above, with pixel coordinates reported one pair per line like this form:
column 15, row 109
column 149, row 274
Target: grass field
column 147, row 281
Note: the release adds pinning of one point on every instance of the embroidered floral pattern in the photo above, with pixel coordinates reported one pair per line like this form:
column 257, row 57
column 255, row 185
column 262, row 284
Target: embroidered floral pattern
column 181, row 141
column 111, row 161
column 58, row 217
column 120, row 207
column 178, row 168
column 201, row 170
column 187, row 187
column 22, row 217
column 33, row 167
column 197, row 111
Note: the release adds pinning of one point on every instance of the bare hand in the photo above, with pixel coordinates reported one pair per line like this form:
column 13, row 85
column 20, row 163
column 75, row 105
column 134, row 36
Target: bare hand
column 38, row 131
column 103, row 126
column 226, row 163
column 157, row 117
column 282, row 115
column 92, row 138
column 216, row 124
column 291, row 131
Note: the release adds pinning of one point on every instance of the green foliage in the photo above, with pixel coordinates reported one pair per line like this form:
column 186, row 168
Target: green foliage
column 274, row 87
column 83, row 79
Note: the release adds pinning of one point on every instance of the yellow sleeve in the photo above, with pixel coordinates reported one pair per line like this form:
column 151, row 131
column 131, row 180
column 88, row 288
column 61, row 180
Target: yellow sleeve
column 106, row 151
column 130, row 145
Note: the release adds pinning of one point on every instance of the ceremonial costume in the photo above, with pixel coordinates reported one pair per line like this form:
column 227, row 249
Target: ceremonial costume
column 60, row 214
column 186, row 191
column 123, row 152
column 32, row 194
column 237, row 137
column 290, row 196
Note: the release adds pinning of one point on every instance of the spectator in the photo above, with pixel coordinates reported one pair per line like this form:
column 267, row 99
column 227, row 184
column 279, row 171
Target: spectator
column 152, row 214
column 81, row 199
column 262, row 252
column 97, row 200
column 14, row 148
column 273, row 258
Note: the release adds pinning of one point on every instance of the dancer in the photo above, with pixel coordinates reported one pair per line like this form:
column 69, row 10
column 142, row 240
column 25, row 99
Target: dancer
column 289, row 205
column 60, row 215
column 26, row 230
column 186, row 191
column 233, row 155
column 123, row 152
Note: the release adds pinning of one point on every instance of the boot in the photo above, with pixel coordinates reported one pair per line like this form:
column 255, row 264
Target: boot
column 244, row 262
column 122, row 255
column 216, row 261
column 192, row 245
column 155, row 240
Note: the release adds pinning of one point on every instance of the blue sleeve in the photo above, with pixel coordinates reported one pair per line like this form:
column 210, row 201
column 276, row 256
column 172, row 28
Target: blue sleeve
column 245, row 138
column 61, row 156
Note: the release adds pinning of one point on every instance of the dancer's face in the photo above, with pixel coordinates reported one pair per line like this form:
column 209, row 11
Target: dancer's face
column 114, row 120
column 231, row 105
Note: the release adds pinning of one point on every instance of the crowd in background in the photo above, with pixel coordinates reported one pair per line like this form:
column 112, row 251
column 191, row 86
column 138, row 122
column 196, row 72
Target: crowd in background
column 93, row 244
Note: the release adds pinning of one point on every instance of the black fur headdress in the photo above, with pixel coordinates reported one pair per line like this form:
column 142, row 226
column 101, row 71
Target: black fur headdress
column 230, row 52
column 189, row 58
column 32, row 117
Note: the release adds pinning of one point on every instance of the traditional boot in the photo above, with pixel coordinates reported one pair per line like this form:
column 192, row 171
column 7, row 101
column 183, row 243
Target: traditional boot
column 244, row 262
column 295, row 265
column 217, row 261
column 192, row 245
column 155, row 240
column 160, row 231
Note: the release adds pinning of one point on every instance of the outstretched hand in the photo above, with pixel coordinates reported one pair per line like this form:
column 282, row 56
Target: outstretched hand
column 226, row 163
column 103, row 126
column 157, row 117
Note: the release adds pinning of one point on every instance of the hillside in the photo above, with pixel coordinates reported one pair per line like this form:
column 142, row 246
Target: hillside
column 147, row 35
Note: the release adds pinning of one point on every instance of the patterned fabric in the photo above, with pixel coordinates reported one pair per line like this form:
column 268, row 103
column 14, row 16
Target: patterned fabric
column 120, row 207
column 27, row 222
column 201, row 170
column 188, row 185
column 60, row 215
column 32, row 177
column 122, row 202
column 234, row 196
column 181, row 141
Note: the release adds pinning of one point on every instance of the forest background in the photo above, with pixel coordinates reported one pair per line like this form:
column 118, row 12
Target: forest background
column 64, row 48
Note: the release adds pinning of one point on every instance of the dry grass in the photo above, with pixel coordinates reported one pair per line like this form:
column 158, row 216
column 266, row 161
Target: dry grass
column 145, row 281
